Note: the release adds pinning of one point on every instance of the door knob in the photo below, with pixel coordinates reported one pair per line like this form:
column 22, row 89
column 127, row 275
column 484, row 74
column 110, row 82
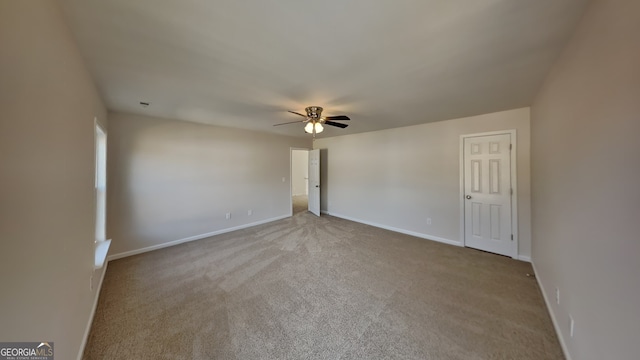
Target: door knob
column 317, row 185
column 468, row 197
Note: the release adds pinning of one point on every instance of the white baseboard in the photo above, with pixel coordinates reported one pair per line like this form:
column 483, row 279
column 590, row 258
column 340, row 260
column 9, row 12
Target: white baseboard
column 556, row 325
column 412, row 233
column 192, row 238
column 85, row 338
column 398, row 230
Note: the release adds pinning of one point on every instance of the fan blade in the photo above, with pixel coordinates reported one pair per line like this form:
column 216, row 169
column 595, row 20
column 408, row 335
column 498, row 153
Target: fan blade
column 292, row 122
column 339, row 117
column 336, row 124
column 297, row 113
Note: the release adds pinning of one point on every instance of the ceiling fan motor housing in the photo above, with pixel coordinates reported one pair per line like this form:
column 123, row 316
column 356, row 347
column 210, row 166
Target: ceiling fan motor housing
column 314, row 112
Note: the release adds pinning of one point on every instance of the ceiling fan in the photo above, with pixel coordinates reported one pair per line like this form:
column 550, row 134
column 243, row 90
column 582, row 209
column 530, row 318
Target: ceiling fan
column 315, row 121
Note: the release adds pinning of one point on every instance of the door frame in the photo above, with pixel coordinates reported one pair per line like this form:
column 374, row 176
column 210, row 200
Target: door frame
column 514, row 186
column 291, row 149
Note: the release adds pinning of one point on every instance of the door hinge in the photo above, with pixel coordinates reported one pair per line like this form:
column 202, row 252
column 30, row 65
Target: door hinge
column 511, row 237
column 510, row 146
column 511, row 191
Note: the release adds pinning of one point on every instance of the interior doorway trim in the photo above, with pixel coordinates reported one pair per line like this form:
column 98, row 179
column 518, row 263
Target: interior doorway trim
column 291, row 149
column 514, row 185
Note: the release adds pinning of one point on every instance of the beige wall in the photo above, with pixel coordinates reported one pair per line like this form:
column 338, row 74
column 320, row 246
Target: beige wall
column 398, row 178
column 47, row 106
column 299, row 172
column 586, row 172
column 173, row 180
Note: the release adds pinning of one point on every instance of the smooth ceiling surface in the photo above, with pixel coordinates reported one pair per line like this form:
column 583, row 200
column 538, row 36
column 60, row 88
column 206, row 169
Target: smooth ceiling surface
column 383, row 63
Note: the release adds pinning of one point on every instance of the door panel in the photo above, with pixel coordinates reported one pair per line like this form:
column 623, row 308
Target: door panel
column 314, row 181
column 487, row 185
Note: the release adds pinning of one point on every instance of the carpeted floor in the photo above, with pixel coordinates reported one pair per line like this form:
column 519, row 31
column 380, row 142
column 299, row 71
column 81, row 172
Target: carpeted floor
column 300, row 204
column 312, row 287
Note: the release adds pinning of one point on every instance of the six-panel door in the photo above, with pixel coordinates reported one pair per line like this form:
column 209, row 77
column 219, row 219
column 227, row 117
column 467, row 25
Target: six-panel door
column 487, row 180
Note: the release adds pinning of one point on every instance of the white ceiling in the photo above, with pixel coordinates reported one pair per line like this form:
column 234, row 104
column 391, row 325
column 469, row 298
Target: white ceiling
column 243, row 63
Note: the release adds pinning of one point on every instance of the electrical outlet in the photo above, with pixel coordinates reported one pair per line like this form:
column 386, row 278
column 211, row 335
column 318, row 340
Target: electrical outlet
column 283, row 180
column 428, row 221
column 571, row 326
column 250, row 212
column 228, row 215
column 557, row 296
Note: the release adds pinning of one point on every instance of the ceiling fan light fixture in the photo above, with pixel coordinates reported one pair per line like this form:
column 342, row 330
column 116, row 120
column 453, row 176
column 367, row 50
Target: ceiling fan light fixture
column 310, row 125
column 309, row 128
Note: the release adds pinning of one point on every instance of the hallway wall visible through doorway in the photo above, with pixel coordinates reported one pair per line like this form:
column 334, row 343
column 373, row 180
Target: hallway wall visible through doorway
column 299, row 179
column 299, row 172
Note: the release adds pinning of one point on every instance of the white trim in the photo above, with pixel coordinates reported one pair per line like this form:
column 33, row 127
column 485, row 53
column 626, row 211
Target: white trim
column 461, row 179
column 556, row 325
column 514, row 186
column 524, row 258
column 101, row 245
column 101, row 250
column 192, row 238
column 87, row 330
column 398, row 230
column 98, row 123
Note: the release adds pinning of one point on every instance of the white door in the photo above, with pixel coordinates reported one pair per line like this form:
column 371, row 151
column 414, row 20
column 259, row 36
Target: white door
column 314, row 181
column 487, row 192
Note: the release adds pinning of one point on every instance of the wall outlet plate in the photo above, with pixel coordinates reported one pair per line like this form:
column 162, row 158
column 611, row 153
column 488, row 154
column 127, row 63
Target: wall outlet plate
column 571, row 326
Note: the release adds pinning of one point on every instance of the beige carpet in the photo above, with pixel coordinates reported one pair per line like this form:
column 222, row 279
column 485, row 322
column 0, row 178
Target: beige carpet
column 300, row 204
column 320, row 288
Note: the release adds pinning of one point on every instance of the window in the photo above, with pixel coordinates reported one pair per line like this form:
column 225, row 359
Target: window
column 101, row 242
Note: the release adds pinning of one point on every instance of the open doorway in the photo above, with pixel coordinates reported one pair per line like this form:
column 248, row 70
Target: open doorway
column 299, row 180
